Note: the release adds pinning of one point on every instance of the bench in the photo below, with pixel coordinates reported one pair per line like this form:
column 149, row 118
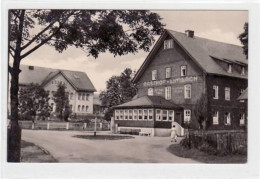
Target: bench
column 145, row 132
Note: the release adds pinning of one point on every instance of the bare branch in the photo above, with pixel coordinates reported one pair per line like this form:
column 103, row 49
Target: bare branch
column 10, row 69
column 11, row 48
column 10, row 52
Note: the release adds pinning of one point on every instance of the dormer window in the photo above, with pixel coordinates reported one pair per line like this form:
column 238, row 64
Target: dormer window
column 229, row 68
column 243, row 70
column 168, row 44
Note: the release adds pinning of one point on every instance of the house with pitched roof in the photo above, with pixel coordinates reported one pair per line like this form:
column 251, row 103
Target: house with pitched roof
column 78, row 86
column 180, row 68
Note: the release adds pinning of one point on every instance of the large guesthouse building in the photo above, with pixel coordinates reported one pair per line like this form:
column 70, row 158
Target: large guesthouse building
column 180, row 69
column 78, row 86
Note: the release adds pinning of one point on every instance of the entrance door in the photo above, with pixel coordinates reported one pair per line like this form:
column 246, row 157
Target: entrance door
column 178, row 118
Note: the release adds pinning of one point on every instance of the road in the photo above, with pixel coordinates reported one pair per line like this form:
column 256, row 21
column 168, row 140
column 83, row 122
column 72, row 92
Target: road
column 66, row 148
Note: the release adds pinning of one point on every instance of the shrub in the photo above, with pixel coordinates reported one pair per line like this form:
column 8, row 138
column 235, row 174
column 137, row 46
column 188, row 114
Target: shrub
column 185, row 143
column 205, row 147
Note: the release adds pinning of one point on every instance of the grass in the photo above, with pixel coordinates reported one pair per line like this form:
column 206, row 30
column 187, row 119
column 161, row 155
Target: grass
column 203, row 157
column 31, row 153
column 103, row 137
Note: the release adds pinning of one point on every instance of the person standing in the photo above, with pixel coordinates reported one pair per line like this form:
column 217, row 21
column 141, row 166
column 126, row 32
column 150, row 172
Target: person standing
column 173, row 134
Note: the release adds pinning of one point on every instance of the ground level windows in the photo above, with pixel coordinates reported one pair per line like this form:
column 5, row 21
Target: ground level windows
column 187, row 115
column 130, row 114
column 135, row 115
column 150, row 114
column 121, row 115
column 140, row 114
column 171, row 115
column 158, row 115
column 164, row 115
column 145, row 117
column 117, row 114
column 126, row 115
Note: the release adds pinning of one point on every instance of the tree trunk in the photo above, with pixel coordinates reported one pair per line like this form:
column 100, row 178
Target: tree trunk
column 14, row 132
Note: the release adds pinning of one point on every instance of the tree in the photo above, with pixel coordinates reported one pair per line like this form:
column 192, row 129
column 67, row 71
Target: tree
column 200, row 110
column 33, row 100
column 95, row 31
column 119, row 89
column 61, row 99
column 243, row 37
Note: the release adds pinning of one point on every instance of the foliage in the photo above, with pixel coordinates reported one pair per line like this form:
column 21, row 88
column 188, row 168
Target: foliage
column 61, row 99
column 33, row 100
column 185, row 143
column 95, row 31
column 243, row 37
column 119, row 89
column 200, row 110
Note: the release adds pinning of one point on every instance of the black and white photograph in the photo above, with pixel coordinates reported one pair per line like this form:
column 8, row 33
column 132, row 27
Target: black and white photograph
column 127, row 86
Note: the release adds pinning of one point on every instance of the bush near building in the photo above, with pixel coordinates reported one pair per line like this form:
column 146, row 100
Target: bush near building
column 217, row 142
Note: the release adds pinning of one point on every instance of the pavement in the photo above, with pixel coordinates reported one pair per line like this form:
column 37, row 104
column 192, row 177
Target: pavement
column 66, row 148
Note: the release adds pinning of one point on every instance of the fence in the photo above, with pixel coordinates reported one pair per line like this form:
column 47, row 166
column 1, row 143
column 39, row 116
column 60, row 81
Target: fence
column 227, row 141
column 64, row 126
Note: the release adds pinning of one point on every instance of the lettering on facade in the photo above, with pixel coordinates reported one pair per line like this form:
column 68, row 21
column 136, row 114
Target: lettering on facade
column 159, row 91
column 178, row 89
column 171, row 81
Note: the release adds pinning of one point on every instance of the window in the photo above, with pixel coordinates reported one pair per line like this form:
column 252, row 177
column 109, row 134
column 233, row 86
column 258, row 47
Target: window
column 227, row 119
column 168, row 44
column 229, row 68
column 150, row 92
column 215, row 88
column 71, row 95
column 164, row 115
column 79, row 96
column 126, row 115
column 227, row 94
column 150, row 113
column 140, row 114
column 135, row 114
column 242, row 119
column 158, row 115
column 83, row 108
column 187, row 91
column 154, row 75
column 187, row 115
column 83, row 96
column 78, row 107
column 71, row 106
column 168, row 73
column 87, row 95
column 183, row 70
column 215, row 117
column 117, row 115
column 121, row 115
column 145, row 114
column 171, row 115
column 168, row 93
column 86, row 108
column 243, row 70
column 130, row 114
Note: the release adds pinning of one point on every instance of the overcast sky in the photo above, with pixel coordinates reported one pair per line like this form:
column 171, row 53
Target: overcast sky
column 224, row 26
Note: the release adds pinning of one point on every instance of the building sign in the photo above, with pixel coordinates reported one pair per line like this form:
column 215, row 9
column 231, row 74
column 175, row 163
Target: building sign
column 171, row 81
column 159, row 91
column 178, row 89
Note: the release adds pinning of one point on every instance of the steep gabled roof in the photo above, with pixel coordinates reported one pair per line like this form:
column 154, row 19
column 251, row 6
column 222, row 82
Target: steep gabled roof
column 148, row 101
column 202, row 51
column 40, row 75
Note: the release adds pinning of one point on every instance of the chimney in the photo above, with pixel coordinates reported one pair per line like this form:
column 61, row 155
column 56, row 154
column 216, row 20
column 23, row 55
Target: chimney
column 189, row 33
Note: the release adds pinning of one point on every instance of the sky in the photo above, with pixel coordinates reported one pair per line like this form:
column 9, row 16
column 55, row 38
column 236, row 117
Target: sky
column 223, row 26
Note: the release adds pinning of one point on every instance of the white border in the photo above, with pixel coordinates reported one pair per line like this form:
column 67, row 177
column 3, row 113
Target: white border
column 72, row 170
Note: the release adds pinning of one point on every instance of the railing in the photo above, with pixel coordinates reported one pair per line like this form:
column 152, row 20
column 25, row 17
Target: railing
column 44, row 125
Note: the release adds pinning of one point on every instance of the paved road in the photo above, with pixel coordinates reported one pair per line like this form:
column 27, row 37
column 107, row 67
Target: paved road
column 66, row 148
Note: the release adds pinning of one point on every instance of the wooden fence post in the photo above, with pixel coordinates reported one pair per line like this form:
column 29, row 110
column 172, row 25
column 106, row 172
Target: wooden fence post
column 33, row 125
column 67, row 125
column 101, row 125
column 48, row 125
column 85, row 126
